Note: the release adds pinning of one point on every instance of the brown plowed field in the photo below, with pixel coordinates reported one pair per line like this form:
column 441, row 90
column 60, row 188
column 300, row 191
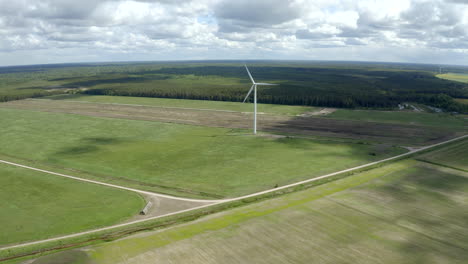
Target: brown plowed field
column 308, row 126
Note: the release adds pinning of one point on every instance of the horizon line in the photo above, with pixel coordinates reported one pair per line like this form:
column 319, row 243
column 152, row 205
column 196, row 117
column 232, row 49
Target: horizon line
column 227, row 60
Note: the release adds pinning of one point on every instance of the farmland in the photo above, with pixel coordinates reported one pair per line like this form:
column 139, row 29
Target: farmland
column 38, row 206
column 454, row 77
column 451, row 122
column 462, row 101
column 404, row 212
column 402, row 117
column 194, row 161
column 181, row 103
column 454, row 156
column 303, row 126
column 138, row 125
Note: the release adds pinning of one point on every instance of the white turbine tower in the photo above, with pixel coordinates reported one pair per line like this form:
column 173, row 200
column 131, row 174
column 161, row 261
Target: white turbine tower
column 254, row 88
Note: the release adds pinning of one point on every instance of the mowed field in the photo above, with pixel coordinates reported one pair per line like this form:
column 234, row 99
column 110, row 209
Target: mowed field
column 193, row 161
column 404, row 212
column 36, row 205
column 454, row 77
column 185, row 103
column 444, row 120
column 307, row 124
column 440, row 120
column 463, row 101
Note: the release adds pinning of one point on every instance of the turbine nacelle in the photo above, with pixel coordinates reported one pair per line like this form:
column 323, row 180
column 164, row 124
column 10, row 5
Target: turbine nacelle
column 254, row 88
column 254, row 84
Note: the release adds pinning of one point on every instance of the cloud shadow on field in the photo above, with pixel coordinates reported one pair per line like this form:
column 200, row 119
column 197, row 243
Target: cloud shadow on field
column 88, row 145
column 102, row 140
column 77, row 150
column 382, row 132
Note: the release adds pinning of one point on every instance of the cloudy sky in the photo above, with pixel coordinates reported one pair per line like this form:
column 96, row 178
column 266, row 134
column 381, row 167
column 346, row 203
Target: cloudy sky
column 55, row 31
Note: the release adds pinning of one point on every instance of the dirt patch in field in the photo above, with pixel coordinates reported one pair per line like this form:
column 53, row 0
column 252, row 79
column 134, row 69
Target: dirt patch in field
column 161, row 206
column 409, row 135
column 322, row 112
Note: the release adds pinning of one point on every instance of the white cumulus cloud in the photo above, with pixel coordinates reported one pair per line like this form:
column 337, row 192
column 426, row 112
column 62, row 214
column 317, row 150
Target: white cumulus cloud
column 47, row 31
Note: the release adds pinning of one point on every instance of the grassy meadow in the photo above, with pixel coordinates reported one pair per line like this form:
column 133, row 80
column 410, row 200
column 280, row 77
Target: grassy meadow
column 462, row 101
column 440, row 120
column 179, row 159
column 404, row 212
column 37, row 205
column 184, row 103
column 459, row 77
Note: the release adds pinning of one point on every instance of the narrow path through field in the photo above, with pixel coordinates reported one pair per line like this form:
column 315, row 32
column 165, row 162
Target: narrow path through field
column 108, row 184
column 210, row 202
column 154, row 106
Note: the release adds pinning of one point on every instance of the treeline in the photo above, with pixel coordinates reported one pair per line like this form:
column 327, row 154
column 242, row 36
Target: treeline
column 327, row 100
column 333, row 85
column 348, row 88
column 342, row 101
column 20, row 96
column 442, row 101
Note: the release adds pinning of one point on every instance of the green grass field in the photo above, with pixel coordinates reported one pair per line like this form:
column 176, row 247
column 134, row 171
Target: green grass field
column 454, row 77
column 172, row 158
column 37, row 205
column 454, row 156
column 405, row 212
column 440, row 120
column 183, row 103
column 463, row 101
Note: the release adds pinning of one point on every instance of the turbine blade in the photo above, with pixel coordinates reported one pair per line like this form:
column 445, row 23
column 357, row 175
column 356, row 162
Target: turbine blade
column 267, row 84
column 250, row 91
column 250, row 75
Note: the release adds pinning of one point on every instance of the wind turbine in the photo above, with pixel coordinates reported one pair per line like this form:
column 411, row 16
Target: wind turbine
column 254, row 88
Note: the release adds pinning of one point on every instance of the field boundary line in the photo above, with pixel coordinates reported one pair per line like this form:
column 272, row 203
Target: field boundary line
column 441, row 165
column 215, row 202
